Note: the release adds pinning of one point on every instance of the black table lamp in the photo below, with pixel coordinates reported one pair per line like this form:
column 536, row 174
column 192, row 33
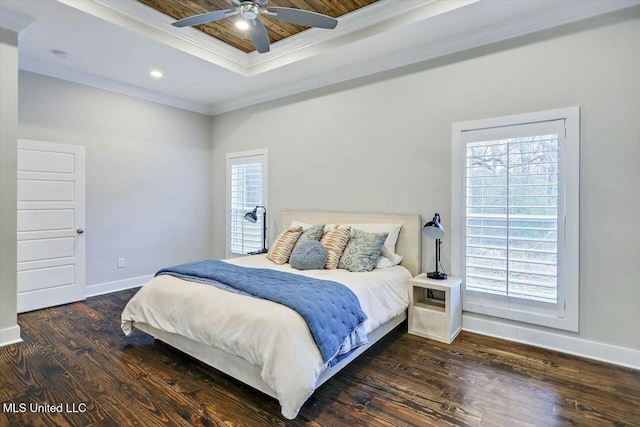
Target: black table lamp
column 434, row 230
column 253, row 217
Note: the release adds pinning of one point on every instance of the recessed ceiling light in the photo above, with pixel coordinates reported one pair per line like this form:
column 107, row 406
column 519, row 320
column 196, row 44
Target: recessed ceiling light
column 242, row 24
column 156, row 74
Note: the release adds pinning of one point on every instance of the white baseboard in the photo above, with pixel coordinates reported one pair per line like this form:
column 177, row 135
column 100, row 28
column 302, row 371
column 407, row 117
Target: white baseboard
column 622, row 356
column 10, row 335
column 117, row 285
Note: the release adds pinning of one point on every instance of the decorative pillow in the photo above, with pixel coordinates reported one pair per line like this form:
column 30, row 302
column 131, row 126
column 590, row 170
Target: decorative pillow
column 306, row 225
column 389, row 248
column 334, row 242
column 282, row 247
column 312, row 233
column 309, row 255
column 363, row 251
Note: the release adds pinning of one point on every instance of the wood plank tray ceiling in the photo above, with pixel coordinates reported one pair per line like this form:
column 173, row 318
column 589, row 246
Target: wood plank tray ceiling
column 277, row 30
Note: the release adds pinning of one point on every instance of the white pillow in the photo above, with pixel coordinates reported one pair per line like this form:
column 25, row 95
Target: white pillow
column 389, row 248
column 384, row 262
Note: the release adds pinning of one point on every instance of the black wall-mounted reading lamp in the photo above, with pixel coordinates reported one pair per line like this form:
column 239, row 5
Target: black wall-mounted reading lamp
column 253, row 217
column 434, row 230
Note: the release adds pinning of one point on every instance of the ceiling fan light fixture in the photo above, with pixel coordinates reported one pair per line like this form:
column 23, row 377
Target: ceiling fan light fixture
column 242, row 24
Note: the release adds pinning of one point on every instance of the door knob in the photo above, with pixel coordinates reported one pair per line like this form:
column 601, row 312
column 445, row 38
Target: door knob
column 79, row 231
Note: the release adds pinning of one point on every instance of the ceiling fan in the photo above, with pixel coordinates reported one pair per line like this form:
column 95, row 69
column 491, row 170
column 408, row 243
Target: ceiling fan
column 250, row 10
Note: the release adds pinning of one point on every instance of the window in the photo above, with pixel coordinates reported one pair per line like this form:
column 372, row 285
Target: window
column 246, row 189
column 515, row 207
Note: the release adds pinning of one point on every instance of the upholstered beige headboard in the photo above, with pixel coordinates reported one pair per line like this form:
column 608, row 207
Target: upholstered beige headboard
column 408, row 245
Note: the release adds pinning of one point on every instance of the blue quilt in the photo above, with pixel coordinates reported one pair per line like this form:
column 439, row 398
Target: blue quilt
column 332, row 312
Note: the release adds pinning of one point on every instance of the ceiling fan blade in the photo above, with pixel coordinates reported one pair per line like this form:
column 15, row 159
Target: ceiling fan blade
column 259, row 35
column 302, row 17
column 203, row 18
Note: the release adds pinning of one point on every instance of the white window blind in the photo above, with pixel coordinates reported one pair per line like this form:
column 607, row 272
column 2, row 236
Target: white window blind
column 513, row 210
column 246, row 174
column 515, row 199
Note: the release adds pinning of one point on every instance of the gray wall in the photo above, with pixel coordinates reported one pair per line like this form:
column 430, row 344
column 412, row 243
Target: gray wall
column 383, row 144
column 8, row 169
column 148, row 173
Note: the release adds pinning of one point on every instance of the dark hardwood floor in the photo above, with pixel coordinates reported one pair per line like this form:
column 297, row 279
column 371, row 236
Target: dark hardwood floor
column 76, row 355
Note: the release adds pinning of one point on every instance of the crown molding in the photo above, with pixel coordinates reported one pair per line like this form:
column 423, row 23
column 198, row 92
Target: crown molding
column 439, row 48
column 14, row 20
column 75, row 76
column 144, row 20
column 366, row 22
column 292, row 50
column 373, row 19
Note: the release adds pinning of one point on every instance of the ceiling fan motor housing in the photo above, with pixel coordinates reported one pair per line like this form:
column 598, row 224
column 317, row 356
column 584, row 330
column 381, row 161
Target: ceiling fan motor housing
column 249, row 10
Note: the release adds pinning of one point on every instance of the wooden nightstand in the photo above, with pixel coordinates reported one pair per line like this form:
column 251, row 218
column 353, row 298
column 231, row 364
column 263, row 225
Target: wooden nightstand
column 433, row 318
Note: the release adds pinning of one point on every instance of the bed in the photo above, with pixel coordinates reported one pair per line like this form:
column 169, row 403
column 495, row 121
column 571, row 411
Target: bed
column 264, row 344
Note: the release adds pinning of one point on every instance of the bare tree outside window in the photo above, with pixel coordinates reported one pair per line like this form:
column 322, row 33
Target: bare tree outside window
column 516, row 216
column 512, row 217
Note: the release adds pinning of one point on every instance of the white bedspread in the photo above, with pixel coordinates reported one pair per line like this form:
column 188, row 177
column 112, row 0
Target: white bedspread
column 262, row 332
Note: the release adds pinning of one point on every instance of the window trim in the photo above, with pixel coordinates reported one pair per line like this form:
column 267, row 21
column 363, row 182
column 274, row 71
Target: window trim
column 566, row 317
column 263, row 152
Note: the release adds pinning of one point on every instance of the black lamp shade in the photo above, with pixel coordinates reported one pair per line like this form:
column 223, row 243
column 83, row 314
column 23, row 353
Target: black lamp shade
column 252, row 216
column 433, row 229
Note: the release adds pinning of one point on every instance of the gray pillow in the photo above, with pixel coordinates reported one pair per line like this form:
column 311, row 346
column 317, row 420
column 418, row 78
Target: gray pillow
column 312, row 233
column 309, row 255
column 362, row 251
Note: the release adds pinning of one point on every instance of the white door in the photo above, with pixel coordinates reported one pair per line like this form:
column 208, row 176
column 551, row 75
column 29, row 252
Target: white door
column 51, row 216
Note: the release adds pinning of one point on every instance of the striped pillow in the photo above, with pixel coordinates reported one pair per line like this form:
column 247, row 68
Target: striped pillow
column 334, row 242
column 282, row 247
